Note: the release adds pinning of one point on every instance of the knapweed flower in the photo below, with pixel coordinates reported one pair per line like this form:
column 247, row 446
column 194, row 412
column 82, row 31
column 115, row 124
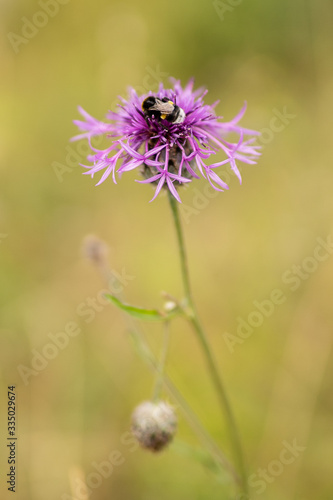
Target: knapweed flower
column 154, row 424
column 170, row 136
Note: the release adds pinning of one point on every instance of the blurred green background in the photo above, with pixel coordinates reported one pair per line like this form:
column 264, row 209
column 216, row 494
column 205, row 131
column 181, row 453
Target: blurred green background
column 242, row 244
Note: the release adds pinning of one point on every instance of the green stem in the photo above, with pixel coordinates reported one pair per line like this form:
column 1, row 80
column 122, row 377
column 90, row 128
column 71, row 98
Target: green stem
column 181, row 245
column 211, row 363
column 162, row 361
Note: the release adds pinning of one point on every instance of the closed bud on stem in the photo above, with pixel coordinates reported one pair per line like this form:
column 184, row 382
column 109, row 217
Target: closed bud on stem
column 170, row 306
column 154, row 424
column 95, row 250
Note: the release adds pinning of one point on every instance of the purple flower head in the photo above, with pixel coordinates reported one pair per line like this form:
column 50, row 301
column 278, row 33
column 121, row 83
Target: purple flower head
column 170, row 136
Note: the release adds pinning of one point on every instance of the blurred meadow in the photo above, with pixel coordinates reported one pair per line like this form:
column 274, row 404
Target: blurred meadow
column 275, row 231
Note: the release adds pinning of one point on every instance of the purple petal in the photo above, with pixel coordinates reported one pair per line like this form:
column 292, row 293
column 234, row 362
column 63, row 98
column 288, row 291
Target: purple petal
column 159, row 187
column 235, row 169
column 151, row 179
column 173, row 190
column 218, row 181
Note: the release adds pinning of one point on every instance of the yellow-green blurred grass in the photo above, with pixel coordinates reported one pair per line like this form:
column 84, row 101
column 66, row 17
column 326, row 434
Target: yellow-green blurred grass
column 279, row 381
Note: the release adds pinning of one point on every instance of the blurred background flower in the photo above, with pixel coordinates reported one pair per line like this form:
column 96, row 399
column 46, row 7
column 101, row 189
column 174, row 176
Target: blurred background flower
column 262, row 285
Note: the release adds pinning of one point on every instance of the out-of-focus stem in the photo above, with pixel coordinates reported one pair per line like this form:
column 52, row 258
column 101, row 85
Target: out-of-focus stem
column 160, row 374
column 145, row 353
column 193, row 318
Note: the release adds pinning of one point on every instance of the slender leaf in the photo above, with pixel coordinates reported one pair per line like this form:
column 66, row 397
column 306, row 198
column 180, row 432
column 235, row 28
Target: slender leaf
column 139, row 312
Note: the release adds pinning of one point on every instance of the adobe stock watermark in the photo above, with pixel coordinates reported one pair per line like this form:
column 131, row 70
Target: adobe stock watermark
column 78, row 151
column 263, row 477
column 31, row 27
column 277, row 124
column 201, row 198
column 87, row 309
column 100, row 471
column 292, row 278
column 222, row 8
column 151, row 80
column 76, row 154
column 287, row 456
column 150, row 83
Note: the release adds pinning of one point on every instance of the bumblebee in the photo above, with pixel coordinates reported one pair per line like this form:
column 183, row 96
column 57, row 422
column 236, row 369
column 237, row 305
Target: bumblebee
column 163, row 109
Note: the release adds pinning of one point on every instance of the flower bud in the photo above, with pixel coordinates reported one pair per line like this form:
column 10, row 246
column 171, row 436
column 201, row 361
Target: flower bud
column 170, row 306
column 154, row 424
column 95, row 250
